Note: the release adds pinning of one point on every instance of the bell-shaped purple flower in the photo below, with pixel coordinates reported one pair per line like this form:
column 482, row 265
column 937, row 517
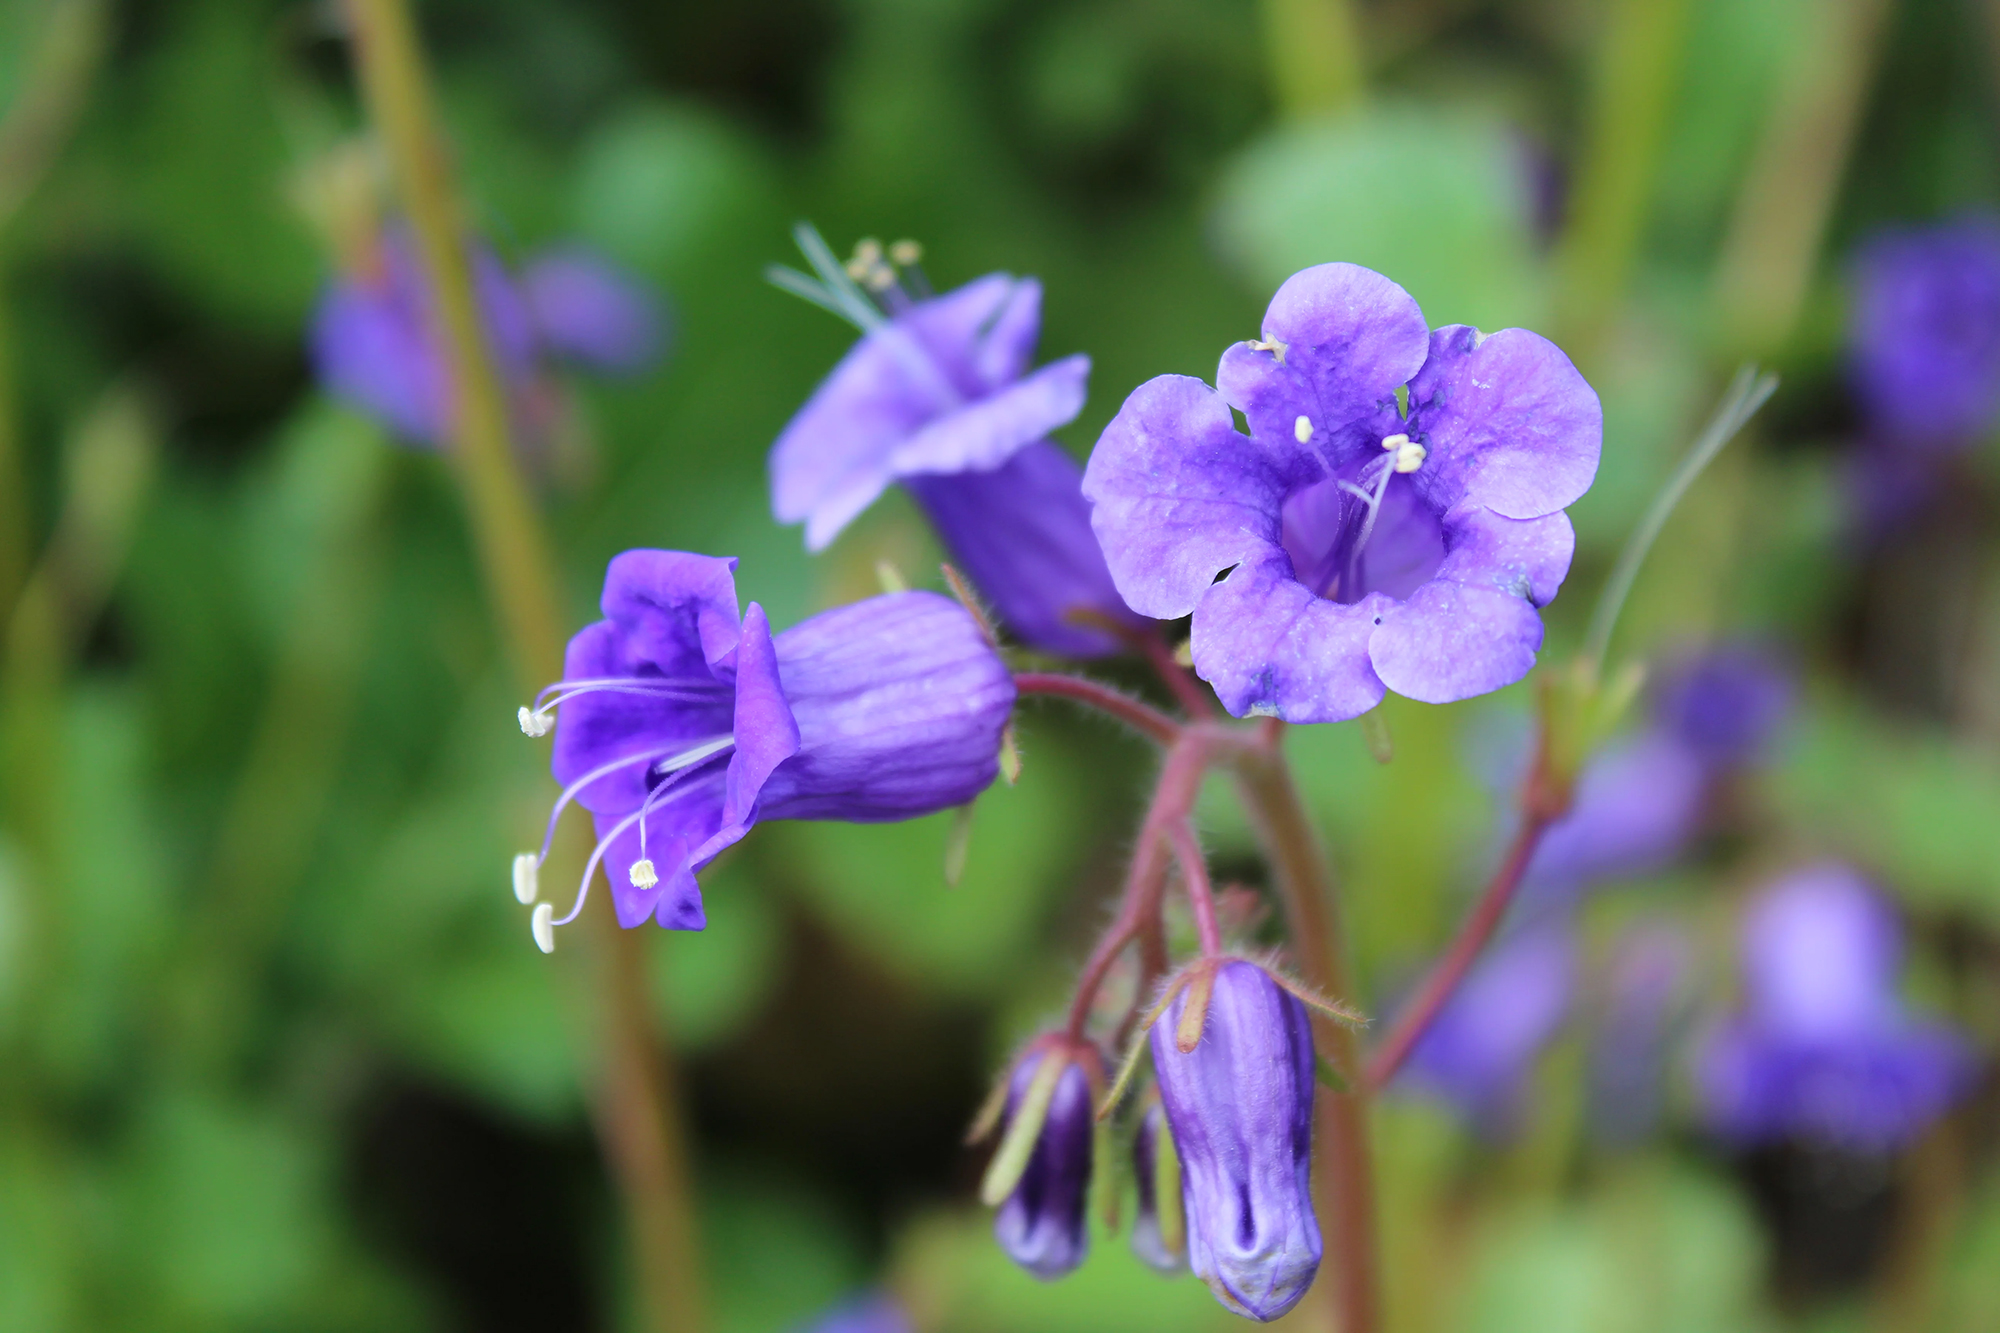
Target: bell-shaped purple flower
column 1924, row 334
column 1041, row 1223
column 683, row 723
column 587, row 311
column 1823, row 1048
column 1369, row 546
column 940, row 397
column 1240, row 1106
column 1159, row 1226
column 1477, row 1053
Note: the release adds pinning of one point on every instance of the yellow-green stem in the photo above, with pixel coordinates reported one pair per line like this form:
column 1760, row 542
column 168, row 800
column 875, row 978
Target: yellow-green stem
column 1314, row 50
column 636, row 1111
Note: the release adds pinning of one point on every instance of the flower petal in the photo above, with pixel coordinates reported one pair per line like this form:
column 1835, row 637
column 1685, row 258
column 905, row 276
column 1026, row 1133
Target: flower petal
column 1351, row 338
column 766, row 733
column 1528, row 557
column 672, row 832
column 676, row 610
column 587, row 310
column 1270, row 647
column 986, row 433
column 1178, row 494
column 1507, row 420
column 1451, row 641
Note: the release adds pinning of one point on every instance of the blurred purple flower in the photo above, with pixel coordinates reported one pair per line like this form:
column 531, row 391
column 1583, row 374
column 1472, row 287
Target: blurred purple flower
column 1041, row 1225
column 1644, row 991
column 1366, row 548
column 940, row 397
column 876, row 1312
column 1240, row 1107
column 1725, row 705
column 589, row 312
column 1823, row 1049
column 1478, row 1051
column 1924, row 334
column 681, row 724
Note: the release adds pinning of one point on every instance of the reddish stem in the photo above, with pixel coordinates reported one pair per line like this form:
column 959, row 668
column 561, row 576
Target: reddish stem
column 1420, row 1013
column 1143, row 718
column 1201, row 893
column 1189, row 695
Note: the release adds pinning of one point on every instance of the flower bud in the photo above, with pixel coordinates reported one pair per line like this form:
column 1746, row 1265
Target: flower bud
column 1159, row 1232
column 1239, row 1106
column 1041, row 1223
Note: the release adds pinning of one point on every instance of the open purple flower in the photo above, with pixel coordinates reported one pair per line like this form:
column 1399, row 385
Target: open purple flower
column 1924, row 334
column 683, row 723
column 1240, row 1107
column 1823, row 1048
column 939, row 397
column 1369, row 545
column 1041, row 1224
column 1477, row 1053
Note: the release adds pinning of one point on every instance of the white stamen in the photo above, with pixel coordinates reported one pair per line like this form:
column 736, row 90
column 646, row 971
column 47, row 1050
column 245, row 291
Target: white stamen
column 1271, row 345
column 905, row 253
column 1408, row 456
column 527, row 877
column 695, row 755
column 1302, row 429
column 535, row 722
column 543, row 926
column 644, row 876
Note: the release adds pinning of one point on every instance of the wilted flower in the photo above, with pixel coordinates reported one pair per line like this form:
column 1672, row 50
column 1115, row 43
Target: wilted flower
column 1041, row 1223
column 1240, row 1107
column 1925, row 334
column 1823, row 1048
column 1159, row 1227
column 1477, row 1052
column 940, row 398
column 682, row 724
column 1393, row 521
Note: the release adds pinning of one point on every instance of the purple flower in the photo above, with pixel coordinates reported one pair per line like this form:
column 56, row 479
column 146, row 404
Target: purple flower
column 1240, row 1107
column 587, row 311
column 1925, row 333
column 1368, row 548
column 1478, row 1051
column 876, row 1312
column 682, row 723
column 940, row 398
column 1823, row 1048
column 1041, row 1223
column 1726, row 705
column 1159, row 1227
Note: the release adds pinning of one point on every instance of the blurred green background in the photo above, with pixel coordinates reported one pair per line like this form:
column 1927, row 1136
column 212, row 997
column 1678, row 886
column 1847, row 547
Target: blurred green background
column 275, row 1050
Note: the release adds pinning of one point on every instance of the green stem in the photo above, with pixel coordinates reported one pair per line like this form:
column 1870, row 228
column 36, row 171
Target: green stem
column 1314, row 49
column 636, row 1111
column 1343, row 1173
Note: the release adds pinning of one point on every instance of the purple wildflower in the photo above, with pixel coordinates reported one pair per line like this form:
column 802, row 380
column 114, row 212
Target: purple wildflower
column 876, row 1312
column 1240, row 1107
column 1478, row 1051
column 682, row 724
column 587, row 311
column 1725, row 705
column 1823, row 1049
column 1159, row 1227
column 940, row 397
column 1041, row 1224
column 1368, row 547
column 1925, row 334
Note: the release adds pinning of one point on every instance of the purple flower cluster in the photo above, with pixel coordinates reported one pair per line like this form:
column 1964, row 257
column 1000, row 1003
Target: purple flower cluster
column 1393, row 521
column 375, row 338
column 1823, row 1049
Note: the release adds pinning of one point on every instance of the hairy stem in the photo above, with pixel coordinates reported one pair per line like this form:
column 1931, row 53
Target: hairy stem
column 1143, row 718
column 1201, row 894
column 1343, row 1179
column 636, row 1112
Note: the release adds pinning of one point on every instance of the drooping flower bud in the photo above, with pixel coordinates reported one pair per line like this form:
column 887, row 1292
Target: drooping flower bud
column 1159, row 1232
column 1239, row 1105
column 1040, row 1175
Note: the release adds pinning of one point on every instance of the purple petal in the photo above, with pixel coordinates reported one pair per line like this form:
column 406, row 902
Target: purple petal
column 1178, row 494
column 1637, row 806
column 598, row 729
column 1820, row 953
column 1451, row 641
column 1351, row 336
column 984, row 434
column 1925, row 333
column 1528, row 558
column 1269, row 646
column 676, row 610
column 370, row 349
column 1508, row 422
column 766, row 733
column 587, row 310
column 673, row 832
column 1042, row 1225
column 1021, row 533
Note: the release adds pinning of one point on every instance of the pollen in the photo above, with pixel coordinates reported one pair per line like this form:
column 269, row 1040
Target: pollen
column 535, row 723
column 1302, row 429
column 644, row 875
column 1271, row 345
column 1409, row 456
column 905, row 252
column 543, row 926
column 527, row 876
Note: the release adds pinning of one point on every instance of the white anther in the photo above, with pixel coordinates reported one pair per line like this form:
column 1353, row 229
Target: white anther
column 1271, row 345
column 527, row 877
column 905, row 252
column 1409, row 456
column 543, row 925
column 644, row 876
column 1302, row 429
column 534, row 723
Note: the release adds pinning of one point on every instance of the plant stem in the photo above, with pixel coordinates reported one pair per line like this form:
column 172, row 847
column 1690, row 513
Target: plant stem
column 1417, row 1016
column 1201, row 894
column 636, row 1112
column 1143, row 718
column 1342, row 1172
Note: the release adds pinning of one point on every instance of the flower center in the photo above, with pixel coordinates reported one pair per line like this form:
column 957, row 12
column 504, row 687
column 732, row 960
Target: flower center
column 1350, row 536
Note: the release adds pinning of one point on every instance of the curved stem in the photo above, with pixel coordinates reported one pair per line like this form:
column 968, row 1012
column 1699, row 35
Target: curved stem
column 1143, row 718
column 1420, row 1013
column 1343, row 1177
column 1201, row 893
